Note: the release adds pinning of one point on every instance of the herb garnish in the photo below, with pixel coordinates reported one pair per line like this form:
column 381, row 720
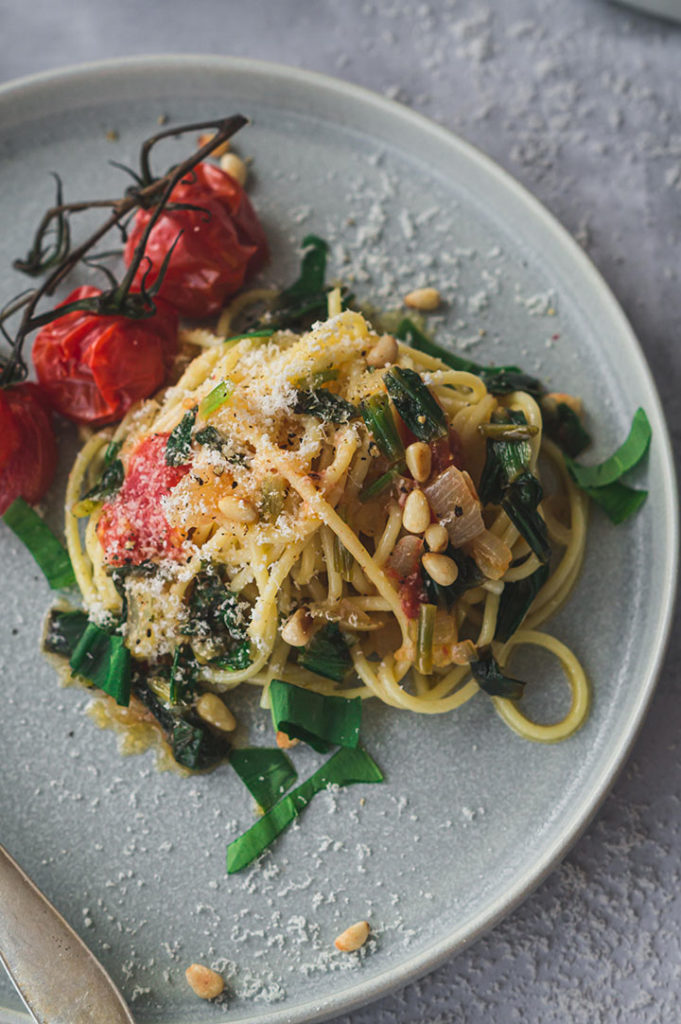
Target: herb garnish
column 327, row 654
column 178, row 446
column 344, row 768
column 265, row 771
column 318, row 720
column 48, row 552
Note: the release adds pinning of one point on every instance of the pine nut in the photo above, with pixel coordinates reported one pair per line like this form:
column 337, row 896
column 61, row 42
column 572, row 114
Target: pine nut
column 561, row 398
column 440, row 568
column 419, row 459
column 383, row 352
column 353, row 937
column 237, row 510
column 234, row 166
column 437, row 537
column 204, row 982
column 211, row 709
column 425, row 299
column 416, row 513
column 285, row 742
column 297, row 629
column 219, row 150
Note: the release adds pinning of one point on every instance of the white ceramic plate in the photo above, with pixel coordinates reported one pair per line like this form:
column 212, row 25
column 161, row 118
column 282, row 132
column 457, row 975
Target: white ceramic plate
column 471, row 817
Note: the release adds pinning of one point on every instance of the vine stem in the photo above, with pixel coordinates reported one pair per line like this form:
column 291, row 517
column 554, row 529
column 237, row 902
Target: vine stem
column 153, row 192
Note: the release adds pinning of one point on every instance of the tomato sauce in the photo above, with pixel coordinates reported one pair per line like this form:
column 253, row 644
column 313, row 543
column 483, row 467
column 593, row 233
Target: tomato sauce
column 133, row 528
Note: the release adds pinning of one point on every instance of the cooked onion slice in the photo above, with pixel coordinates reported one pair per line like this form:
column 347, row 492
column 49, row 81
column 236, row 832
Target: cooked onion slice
column 455, row 505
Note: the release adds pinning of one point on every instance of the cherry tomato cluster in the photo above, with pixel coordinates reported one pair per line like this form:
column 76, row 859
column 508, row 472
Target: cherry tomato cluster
column 91, row 368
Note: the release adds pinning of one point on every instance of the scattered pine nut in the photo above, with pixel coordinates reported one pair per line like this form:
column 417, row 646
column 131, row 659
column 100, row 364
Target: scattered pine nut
column 298, row 628
column 204, row 982
column 418, row 457
column 416, row 513
column 211, row 709
column 437, row 537
column 237, row 510
column 285, row 742
column 353, row 937
column 440, row 568
column 234, row 166
column 383, row 352
column 425, row 299
column 219, row 150
column 561, row 398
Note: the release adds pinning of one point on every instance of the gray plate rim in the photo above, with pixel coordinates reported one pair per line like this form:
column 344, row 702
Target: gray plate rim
column 416, row 966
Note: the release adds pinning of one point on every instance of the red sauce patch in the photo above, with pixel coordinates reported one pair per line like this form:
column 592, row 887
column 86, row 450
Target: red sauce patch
column 133, row 528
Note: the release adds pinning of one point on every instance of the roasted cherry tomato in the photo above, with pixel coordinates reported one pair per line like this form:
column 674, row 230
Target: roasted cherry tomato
column 94, row 367
column 28, row 452
column 133, row 528
column 217, row 248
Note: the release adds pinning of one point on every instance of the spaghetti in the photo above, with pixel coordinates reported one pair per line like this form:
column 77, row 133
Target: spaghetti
column 263, row 523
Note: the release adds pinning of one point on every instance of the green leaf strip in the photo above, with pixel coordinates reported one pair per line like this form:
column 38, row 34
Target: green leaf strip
column 415, row 404
column 327, row 654
column 618, row 501
column 318, row 720
column 499, row 380
column 345, row 768
column 216, row 398
column 178, row 445
column 516, row 600
column 622, row 461
column 265, row 771
column 104, row 660
column 490, row 677
column 49, row 553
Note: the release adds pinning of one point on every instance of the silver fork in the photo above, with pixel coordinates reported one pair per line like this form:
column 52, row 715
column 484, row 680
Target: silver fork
column 56, row 975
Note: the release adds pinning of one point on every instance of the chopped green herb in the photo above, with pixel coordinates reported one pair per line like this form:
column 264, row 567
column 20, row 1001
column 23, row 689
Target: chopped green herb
column 516, row 600
column 191, row 741
column 327, row 654
column 108, row 484
column 325, row 406
column 178, row 446
column 214, row 612
column 194, row 745
column 499, row 380
column 618, row 501
column 380, row 423
column 491, row 678
column 622, row 461
column 379, row 485
column 183, row 674
column 266, row 332
column 216, row 398
column 33, row 531
column 104, row 660
column 563, row 425
column 265, row 771
column 237, row 659
column 415, row 404
column 314, row 718
column 520, row 503
column 64, row 630
column 424, row 640
column 272, row 497
column 345, row 768
column 507, row 481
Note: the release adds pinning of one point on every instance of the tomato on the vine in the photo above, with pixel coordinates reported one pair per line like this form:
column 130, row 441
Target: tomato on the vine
column 216, row 247
column 28, row 452
column 93, row 368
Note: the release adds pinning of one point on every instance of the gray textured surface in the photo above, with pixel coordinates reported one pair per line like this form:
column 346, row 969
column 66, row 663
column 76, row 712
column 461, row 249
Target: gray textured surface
column 580, row 102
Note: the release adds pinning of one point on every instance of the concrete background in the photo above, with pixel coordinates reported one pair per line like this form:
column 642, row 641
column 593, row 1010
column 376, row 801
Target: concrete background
column 580, row 100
